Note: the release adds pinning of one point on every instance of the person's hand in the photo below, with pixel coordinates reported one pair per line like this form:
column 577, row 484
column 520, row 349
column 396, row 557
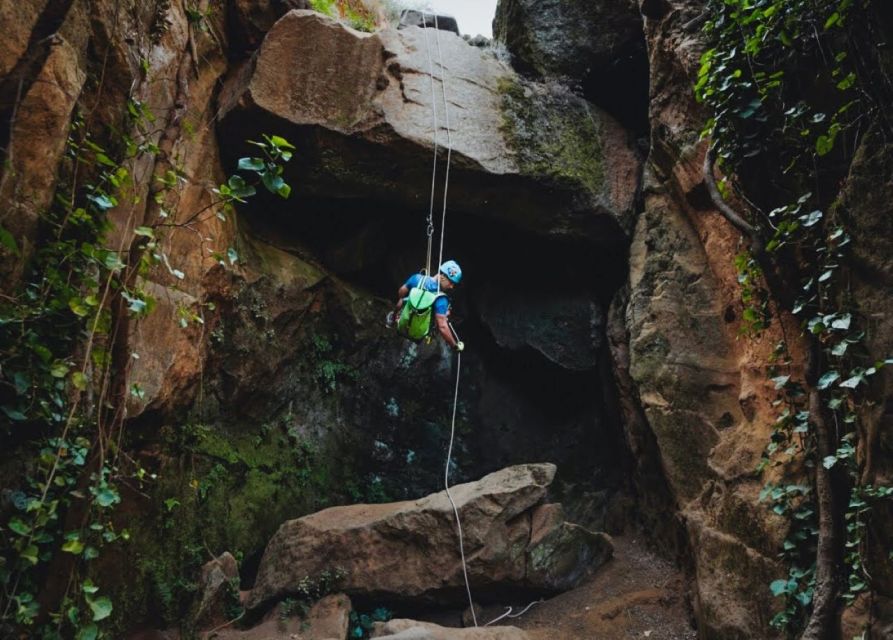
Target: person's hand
column 460, row 346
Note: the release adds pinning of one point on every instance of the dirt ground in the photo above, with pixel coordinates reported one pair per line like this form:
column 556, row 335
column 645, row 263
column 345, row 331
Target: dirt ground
column 635, row 595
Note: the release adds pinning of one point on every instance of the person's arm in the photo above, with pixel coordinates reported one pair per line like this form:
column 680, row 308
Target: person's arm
column 443, row 327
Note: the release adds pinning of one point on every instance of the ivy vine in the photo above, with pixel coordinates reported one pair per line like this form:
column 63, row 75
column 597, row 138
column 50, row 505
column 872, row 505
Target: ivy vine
column 58, row 334
column 792, row 87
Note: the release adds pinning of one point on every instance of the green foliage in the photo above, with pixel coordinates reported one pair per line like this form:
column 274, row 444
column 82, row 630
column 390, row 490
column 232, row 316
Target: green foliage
column 327, row 7
column 754, row 296
column 61, row 351
column 360, row 21
column 785, row 82
column 361, row 624
column 328, row 369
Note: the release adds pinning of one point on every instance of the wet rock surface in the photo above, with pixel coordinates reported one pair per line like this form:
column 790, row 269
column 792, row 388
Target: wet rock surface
column 408, row 551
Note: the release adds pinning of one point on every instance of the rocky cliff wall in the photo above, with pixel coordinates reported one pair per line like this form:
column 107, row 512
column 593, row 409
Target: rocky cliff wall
column 601, row 307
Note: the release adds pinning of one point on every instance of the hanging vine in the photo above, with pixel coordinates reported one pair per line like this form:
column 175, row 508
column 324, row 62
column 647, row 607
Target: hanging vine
column 798, row 85
column 60, row 380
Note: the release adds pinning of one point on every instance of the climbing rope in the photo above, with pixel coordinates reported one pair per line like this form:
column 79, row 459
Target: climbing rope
column 446, row 117
column 508, row 612
column 446, row 184
column 430, row 232
column 430, row 227
column 446, row 482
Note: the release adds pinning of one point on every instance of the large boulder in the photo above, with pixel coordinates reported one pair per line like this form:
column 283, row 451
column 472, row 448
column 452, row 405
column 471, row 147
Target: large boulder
column 597, row 45
column 402, row 629
column 359, row 108
column 409, row 551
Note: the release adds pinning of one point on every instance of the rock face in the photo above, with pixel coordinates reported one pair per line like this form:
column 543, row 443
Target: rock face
column 219, row 584
column 327, row 619
column 359, row 107
column 412, row 630
column 567, row 37
column 567, row 330
column 704, row 392
column 408, row 551
column 412, row 18
column 596, row 45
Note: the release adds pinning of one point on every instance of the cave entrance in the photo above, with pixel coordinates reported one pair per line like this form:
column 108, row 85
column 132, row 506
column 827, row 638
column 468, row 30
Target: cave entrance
column 536, row 383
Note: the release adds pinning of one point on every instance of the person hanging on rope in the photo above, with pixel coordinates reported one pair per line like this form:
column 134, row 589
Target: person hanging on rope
column 422, row 294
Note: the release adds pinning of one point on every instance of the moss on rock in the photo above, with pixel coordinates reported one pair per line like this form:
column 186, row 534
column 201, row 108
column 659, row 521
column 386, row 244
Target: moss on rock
column 552, row 133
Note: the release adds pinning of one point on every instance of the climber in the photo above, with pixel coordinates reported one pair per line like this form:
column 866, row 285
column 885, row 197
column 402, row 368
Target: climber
column 416, row 299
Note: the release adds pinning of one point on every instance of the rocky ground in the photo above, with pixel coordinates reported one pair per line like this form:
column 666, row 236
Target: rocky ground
column 636, row 595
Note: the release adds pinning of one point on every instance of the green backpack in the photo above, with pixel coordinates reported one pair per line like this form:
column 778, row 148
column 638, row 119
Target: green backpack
column 415, row 318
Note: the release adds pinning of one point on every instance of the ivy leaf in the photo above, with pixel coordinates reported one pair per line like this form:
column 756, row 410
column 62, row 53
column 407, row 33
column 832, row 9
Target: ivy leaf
column 826, row 380
column 779, row 587
column 239, row 189
column 832, row 20
column 842, row 322
column 251, row 164
column 280, row 143
column 824, row 145
column 102, row 202
column 14, row 414
column 812, row 218
column 91, row 553
column 8, row 241
column 78, row 307
column 16, row 525
column 847, row 82
column 272, row 182
column 840, row 348
column 107, row 496
column 30, row 554
column 852, row 383
column 829, row 461
column 73, row 546
column 146, row 232
column 781, row 381
column 232, row 255
column 90, row 632
column 59, row 370
column 101, row 607
column 88, row 587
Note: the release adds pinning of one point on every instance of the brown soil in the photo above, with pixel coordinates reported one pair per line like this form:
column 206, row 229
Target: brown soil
column 635, row 595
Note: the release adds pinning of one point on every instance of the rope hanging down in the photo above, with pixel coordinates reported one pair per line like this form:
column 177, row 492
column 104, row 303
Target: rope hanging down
column 430, row 226
column 430, row 230
column 430, row 233
column 446, row 117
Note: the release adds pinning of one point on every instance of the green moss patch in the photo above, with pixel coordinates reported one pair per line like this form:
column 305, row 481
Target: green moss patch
column 552, row 133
